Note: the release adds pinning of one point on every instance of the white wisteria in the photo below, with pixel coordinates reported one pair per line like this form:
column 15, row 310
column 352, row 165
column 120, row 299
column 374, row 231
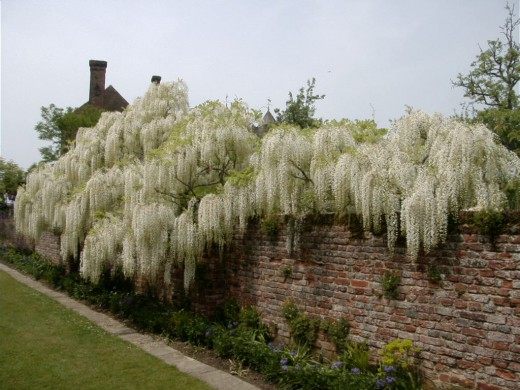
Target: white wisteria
column 160, row 184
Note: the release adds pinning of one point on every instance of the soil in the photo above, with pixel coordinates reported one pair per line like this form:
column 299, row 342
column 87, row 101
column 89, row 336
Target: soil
column 209, row 357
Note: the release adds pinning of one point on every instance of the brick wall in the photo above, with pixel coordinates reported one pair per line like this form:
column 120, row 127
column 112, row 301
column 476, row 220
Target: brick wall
column 468, row 326
column 49, row 246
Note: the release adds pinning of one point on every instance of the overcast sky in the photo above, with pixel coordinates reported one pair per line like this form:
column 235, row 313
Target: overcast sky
column 371, row 53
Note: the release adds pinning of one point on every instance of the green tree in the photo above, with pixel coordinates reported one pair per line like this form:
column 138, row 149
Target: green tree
column 11, row 177
column 496, row 70
column 492, row 82
column 60, row 126
column 300, row 110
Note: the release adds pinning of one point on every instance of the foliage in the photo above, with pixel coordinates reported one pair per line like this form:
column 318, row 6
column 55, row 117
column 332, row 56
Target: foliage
column 156, row 186
column 286, row 272
column 492, row 82
column 337, row 332
column 187, row 326
column 11, row 177
column 400, row 353
column 300, row 110
column 496, row 70
column 270, row 226
column 505, row 123
column 489, row 223
column 356, row 355
column 390, row 284
column 434, row 273
column 60, row 126
column 303, row 329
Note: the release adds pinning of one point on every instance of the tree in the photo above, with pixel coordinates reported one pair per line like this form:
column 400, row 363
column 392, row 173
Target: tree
column 300, row 110
column 496, row 70
column 60, row 126
column 11, row 177
column 492, row 82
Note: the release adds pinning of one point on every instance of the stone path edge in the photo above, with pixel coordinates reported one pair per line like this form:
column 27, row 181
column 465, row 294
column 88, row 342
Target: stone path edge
column 214, row 377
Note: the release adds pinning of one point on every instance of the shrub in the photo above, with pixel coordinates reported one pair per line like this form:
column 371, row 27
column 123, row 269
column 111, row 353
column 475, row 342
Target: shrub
column 304, row 330
column 356, row 355
column 337, row 332
column 186, row 326
column 270, row 226
column 390, row 283
column 489, row 223
column 400, row 353
column 249, row 318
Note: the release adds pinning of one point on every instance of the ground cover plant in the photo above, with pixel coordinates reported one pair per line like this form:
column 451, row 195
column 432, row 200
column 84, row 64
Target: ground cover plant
column 238, row 333
column 155, row 186
column 46, row 346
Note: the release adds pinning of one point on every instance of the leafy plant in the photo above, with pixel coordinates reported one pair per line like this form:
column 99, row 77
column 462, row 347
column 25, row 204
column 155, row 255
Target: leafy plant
column 286, row 272
column 300, row 110
column 337, row 332
column 304, row 330
column 489, row 223
column 390, row 284
column 356, row 355
column 434, row 273
column 271, row 226
column 400, row 353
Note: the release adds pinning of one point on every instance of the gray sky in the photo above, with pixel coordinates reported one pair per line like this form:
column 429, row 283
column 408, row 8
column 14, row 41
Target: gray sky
column 364, row 54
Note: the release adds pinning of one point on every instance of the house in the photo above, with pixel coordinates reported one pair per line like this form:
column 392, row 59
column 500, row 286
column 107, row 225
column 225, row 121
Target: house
column 108, row 99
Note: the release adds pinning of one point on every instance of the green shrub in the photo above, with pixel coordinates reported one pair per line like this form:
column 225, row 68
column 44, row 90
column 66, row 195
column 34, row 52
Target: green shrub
column 286, row 272
column 356, row 355
column 270, row 226
column 399, row 358
column 390, row 284
column 228, row 312
column 187, row 326
column 434, row 273
column 489, row 223
column 337, row 332
column 400, row 353
column 304, row 330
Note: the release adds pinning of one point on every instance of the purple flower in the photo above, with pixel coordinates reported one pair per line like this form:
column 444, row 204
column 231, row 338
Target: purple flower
column 293, row 353
column 285, row 368
column 284, row 362
column 336, row 365
column 389, row 368
column 355, row 371
column 380, row 383
column 390, row 379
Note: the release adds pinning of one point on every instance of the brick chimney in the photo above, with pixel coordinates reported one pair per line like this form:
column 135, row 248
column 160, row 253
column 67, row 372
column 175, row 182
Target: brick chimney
column 97, row 82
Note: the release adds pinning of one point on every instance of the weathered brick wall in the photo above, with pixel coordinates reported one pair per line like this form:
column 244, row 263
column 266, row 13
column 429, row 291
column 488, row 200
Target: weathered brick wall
column 49, row 247
column 468, row 326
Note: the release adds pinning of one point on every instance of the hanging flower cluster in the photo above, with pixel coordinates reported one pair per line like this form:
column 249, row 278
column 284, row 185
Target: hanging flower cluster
column 155, row 186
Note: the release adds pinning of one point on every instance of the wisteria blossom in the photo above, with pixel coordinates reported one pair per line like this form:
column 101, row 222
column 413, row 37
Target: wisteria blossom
column 157, row 185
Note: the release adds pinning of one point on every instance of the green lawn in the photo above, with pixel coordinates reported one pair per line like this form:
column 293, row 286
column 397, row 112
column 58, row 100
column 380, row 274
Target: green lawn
column 46, row 346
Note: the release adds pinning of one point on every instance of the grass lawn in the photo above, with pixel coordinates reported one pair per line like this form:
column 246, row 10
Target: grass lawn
column 46, row 346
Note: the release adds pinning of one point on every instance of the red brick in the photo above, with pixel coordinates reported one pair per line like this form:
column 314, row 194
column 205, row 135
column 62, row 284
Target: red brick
column 359, row 283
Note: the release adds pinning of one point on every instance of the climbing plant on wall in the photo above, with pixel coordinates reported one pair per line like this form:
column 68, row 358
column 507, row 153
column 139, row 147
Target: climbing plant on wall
column 155, row 186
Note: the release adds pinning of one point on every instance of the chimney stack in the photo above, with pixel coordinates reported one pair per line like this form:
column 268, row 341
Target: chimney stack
column 156, row 79
column 97, row 82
